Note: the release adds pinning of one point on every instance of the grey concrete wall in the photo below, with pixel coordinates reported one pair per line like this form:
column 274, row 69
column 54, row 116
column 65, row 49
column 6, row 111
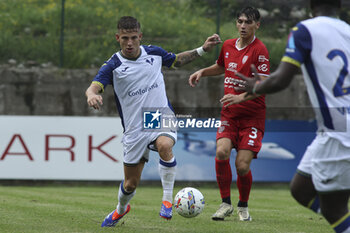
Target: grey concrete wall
column 53, row 91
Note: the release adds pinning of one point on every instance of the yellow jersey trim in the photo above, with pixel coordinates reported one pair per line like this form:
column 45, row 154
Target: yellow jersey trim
column 100, row 84
column 310, row 203
column 173, row 65
column 334, row 225
column 291, row 61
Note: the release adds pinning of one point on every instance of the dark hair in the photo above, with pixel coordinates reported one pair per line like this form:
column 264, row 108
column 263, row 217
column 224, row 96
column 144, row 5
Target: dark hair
column 250, row 12
column 128, row 23
column 334, row 3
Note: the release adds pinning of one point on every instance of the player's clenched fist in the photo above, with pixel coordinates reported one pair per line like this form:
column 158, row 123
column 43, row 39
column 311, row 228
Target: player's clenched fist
column 92, row 97
column 94, row 101
column 211, row 42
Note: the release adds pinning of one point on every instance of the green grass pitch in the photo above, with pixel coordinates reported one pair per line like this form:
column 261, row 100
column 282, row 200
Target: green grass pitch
column 62, row 208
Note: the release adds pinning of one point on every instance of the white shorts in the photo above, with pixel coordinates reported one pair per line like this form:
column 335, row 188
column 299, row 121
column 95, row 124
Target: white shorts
column 137, row 145
column 327, row 160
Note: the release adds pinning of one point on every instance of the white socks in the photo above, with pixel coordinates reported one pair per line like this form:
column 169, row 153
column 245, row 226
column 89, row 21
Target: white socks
column 167, row 172
column 123, row 198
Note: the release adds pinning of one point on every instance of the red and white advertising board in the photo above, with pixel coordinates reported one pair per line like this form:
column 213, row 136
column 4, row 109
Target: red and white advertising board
column 61, row 148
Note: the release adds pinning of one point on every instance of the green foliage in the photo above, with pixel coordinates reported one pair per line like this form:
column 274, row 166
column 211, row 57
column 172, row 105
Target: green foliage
column 82, row 209
column 27, row 33
column 30, row 29
column 276, row 48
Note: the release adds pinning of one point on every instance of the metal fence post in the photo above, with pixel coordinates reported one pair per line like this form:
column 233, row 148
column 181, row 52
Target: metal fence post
column 218, row 14
column 62, row 35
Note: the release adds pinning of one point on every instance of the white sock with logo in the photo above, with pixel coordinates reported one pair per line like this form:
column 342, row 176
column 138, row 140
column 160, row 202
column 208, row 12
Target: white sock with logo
column 123, row 198
column 167, row 172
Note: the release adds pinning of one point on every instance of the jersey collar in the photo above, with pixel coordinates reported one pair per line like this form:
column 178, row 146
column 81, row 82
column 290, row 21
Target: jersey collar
column 236, row 45
column 131, row 59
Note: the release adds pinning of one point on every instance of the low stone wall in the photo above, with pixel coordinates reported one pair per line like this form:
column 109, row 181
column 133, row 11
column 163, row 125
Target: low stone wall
column 53, row 91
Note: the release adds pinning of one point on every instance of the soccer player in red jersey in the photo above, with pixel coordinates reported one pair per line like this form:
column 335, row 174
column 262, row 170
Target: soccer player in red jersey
column 242, row 117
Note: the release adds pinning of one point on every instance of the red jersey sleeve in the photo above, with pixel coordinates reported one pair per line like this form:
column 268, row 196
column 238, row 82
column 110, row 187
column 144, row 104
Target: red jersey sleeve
column 262, row 60
column 221, row 61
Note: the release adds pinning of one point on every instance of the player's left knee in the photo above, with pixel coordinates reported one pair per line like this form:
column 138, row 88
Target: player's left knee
column 242, row 169
column 164, row 143
column 130, row 186
column 164, row 146
column 165, row 151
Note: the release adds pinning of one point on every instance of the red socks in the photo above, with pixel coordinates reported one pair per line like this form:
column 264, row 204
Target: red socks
column 244, row 184
column 223, row 177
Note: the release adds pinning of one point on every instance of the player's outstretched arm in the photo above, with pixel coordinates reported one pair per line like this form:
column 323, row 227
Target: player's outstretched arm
column 186, row 57
column 208, row 71
column 93, row 98
column 277, row 81
column 230, row 99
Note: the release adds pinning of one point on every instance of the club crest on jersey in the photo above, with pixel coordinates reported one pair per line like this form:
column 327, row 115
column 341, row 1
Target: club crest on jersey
column 232, row 67
column 244, row 59
column 150, row 61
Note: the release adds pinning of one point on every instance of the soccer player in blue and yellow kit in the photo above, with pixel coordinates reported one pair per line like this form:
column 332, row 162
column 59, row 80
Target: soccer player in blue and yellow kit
column 137, row 80
column 321, row 47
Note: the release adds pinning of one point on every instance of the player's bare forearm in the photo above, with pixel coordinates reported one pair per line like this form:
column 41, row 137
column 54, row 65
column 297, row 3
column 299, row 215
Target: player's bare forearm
column 279, row 79
column 93, row 99
column 186, row 57
column 208, row 71
column 249, row 96
column 213, row 70
column 230, row 99
column 93, row 89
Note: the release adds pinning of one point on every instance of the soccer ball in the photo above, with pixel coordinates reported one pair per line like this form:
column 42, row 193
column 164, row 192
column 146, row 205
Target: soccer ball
column 189, row 202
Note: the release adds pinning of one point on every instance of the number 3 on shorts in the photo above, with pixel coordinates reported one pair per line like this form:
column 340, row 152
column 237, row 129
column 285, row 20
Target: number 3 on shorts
column 254, row 132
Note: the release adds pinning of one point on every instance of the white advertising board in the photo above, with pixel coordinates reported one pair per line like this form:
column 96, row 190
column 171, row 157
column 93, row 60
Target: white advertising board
column 61, row 148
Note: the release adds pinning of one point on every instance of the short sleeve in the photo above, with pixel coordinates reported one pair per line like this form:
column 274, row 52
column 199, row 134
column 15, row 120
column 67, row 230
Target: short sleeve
column 104, row 76
column 262, row 61
column 298, row 46
column 221, row 61
column 168, row 59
